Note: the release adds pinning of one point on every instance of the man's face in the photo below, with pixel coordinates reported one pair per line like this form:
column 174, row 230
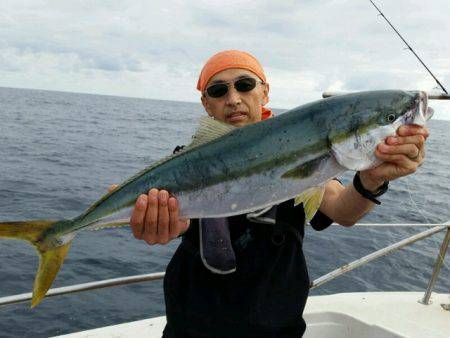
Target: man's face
column 236, row 108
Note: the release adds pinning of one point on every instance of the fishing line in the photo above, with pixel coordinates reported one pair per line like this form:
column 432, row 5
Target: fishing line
column 413, row 202
column 439, row 84
column 409, row 47
column 425, row 217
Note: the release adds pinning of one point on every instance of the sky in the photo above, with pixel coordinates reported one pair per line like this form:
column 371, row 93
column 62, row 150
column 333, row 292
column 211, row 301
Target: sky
column 156, row 49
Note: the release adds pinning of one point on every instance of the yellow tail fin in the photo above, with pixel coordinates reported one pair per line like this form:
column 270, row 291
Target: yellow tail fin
column 51, row 252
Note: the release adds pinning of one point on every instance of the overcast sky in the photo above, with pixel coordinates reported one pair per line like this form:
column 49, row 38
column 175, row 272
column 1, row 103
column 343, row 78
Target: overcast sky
column 155, row 49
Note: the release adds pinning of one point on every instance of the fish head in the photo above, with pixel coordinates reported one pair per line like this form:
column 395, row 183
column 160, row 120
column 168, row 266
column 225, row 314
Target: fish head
column 363, row 120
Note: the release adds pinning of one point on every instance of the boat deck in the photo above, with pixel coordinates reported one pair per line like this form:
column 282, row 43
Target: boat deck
column 377, row 314
column 344, row 315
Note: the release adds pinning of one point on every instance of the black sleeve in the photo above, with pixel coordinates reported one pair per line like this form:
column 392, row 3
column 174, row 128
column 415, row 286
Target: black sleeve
column 320, row 221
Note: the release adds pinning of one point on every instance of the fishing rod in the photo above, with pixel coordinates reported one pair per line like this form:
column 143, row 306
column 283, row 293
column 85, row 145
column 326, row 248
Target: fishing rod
column 431, row 96
column 409, row 47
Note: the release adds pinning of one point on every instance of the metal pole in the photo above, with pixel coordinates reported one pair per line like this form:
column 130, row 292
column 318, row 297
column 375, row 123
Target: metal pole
column 431, row 96
column 84, row 287
column 397, row 225
column 437, row 267
column 382, row 252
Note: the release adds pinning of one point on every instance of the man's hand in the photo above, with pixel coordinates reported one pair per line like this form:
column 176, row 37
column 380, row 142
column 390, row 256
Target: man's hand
column 155, row 217
column 402, row 155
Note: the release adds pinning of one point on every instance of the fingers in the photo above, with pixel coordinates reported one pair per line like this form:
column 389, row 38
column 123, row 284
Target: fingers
column 409, row 150
column 138, row 216
column 412, row 129
column 112, row 187
column 411, row 146
column 151, row 218
column 417, row 139
column 177, row 226
column 402, row 154
column 163, row 217
column 392, row 158
column 175, row 223
column 155, row 218
column 395, row 166
column 184, row 225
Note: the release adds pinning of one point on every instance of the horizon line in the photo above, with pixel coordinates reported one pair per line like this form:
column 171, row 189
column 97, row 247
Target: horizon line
column 140, row 97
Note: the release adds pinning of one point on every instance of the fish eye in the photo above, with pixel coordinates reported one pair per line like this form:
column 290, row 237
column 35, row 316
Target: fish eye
column 391, row 118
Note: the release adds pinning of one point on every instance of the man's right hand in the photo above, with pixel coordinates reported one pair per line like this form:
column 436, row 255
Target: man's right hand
column 155, row 217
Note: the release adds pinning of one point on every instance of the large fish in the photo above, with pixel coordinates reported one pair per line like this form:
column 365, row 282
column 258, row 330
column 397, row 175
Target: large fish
column 227, row 171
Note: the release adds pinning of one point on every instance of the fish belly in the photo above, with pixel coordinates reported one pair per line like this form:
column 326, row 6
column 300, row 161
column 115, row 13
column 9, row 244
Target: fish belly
column 247, row 194
column 241, row 195
column 117, row 219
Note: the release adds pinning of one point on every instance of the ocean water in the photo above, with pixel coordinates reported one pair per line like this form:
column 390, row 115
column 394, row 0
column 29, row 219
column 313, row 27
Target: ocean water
column 60, row 151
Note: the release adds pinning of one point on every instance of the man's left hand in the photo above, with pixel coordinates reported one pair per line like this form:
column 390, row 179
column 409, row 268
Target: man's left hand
column 402, row 155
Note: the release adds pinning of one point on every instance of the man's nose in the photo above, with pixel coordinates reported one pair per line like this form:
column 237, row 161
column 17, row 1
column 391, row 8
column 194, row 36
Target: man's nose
column 233, row 97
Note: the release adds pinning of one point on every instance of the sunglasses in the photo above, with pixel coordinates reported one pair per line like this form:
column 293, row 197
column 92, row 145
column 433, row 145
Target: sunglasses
column 242, row 85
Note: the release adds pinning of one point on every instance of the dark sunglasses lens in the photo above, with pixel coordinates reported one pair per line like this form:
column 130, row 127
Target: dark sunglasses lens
column 245, row 84
column 217, row 90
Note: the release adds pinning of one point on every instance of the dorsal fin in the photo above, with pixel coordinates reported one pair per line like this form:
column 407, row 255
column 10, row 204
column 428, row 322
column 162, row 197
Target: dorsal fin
column 209, row 130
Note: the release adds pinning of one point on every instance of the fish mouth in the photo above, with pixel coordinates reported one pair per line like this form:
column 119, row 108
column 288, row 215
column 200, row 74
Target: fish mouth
column 420, row 113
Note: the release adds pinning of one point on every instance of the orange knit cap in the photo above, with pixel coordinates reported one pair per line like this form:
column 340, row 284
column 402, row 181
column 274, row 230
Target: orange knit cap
column 231, row 59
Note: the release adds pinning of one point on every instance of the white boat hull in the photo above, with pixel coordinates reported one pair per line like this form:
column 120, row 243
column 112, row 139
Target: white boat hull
column 343, row 315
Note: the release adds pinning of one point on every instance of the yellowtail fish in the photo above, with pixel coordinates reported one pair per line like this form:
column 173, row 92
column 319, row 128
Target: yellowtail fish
column 227, row 170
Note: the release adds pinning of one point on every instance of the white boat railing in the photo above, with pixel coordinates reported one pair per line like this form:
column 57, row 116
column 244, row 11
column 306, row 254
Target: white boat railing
column 435, row 228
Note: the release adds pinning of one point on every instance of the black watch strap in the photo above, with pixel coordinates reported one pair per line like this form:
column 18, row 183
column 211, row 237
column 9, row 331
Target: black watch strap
column 368, row 194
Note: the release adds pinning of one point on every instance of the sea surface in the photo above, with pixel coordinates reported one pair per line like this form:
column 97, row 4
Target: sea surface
column 59, row 152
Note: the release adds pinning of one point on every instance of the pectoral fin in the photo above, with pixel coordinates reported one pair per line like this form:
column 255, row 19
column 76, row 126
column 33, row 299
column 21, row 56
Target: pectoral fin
column 311, row 199
column 306, row 169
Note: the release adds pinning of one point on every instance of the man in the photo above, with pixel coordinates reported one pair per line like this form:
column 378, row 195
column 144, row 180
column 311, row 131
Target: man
column 261, row 290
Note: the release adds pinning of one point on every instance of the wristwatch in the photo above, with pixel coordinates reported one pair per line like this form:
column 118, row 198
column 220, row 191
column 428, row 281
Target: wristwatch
column 372, row 196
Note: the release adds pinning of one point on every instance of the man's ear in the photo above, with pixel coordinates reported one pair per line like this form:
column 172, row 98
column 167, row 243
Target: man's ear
column 205, row 104
column 265, row 97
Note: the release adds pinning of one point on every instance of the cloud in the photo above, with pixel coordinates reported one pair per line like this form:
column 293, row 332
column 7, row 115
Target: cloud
column 156, row 49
